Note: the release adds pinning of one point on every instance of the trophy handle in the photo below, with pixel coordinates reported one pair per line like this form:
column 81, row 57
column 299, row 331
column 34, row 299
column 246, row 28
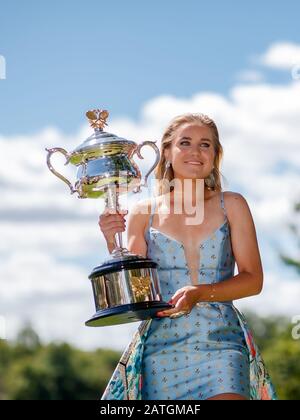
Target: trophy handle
column 137, row 151
column 65, row 153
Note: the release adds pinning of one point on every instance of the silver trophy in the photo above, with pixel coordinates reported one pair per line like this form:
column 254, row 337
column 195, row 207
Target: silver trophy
column 126, row 287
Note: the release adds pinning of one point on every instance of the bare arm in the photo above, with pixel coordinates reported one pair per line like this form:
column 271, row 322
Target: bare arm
column 137, row 222
column 111, row 223
column 249, row 280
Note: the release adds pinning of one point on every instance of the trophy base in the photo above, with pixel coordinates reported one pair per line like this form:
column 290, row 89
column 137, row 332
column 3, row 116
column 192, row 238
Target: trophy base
column 125, row 314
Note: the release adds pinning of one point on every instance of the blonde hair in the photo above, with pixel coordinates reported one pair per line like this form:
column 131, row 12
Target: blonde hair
column 167, row 174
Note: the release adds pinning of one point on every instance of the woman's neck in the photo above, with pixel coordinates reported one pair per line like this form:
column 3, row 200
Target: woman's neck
column 184, row 203
column 191, row 192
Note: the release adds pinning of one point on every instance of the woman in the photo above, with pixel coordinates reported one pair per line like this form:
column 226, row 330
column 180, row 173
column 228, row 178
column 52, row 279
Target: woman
column 209, row 352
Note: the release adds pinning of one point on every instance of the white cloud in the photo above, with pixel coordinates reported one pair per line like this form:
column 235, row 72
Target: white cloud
column 50, row 240
column 56, row 298
column 281, row 55
column 281, row 294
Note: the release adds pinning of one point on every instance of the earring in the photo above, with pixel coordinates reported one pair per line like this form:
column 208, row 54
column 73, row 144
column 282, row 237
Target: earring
column 167, row 166
column 210, row 182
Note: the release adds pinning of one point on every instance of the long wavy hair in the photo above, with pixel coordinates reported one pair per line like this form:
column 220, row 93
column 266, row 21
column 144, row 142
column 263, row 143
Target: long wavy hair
column 166, row 175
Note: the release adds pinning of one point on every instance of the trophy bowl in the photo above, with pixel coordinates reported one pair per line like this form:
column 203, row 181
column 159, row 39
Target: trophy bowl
column 126, row 287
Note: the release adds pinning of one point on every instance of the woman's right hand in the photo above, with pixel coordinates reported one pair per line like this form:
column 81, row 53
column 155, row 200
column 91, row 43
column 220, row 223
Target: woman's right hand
column 111, row 222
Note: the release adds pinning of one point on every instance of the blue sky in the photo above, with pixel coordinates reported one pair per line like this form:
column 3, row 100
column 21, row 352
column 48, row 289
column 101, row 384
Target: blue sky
column 63, row 57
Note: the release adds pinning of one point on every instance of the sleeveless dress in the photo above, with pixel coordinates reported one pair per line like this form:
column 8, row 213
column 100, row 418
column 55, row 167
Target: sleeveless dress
column 202, row 354
column 208, row 352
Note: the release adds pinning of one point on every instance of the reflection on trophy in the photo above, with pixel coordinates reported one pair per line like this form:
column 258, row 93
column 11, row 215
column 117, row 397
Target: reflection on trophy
column 126, row 287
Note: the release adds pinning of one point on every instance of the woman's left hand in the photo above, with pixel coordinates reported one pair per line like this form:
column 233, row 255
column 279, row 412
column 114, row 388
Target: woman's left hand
column 184, row 300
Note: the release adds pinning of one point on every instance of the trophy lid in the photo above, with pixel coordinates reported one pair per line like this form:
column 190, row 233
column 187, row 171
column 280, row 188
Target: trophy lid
column 100, row 143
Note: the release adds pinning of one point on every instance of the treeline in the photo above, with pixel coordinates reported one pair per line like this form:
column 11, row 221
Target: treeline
column 58, row 371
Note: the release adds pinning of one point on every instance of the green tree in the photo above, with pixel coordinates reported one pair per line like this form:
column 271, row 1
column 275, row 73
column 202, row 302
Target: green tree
column 58, row 371
column 282, row 359
column 280, row 352
column 295, row 229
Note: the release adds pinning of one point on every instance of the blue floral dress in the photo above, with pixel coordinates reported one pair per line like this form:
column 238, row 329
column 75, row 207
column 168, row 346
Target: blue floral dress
column 208, row 352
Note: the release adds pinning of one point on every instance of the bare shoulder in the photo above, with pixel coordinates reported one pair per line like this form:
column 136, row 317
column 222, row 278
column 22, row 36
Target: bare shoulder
column 234, row 201
column 142, row 207
column 237, row 207
column 138, row 218
column 140, row 212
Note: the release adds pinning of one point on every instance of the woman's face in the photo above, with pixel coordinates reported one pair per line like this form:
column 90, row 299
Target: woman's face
column 192, row 152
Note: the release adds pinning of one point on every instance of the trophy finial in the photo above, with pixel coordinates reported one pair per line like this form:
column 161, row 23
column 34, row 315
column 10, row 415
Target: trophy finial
column 97, row 118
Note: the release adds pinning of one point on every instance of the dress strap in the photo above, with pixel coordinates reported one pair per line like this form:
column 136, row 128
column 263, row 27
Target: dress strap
column 222, row 204
column 153, row 205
